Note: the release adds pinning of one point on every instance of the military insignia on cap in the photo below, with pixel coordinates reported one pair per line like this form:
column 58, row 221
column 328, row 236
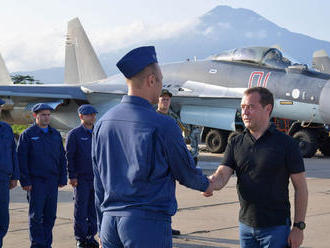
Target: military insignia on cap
column 136, row 60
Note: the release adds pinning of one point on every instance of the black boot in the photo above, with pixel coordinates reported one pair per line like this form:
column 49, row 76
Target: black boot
column 82, row 244
column 92, row 243
column 175, row 232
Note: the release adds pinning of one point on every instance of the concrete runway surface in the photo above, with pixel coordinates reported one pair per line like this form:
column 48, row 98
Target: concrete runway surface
column 203, row 222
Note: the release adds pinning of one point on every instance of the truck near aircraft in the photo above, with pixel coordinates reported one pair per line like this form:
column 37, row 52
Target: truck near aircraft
column 310, row 136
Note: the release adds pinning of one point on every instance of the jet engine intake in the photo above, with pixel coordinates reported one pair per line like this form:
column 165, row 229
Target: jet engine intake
column 325, row 103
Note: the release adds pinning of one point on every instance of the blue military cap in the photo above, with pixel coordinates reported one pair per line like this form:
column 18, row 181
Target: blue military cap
column 136, row 60
column 41, row 106
column 2, row 102
column 86, row 109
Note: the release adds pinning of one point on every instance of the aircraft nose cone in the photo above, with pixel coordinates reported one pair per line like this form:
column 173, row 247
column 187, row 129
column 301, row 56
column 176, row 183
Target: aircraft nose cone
column 325, row 103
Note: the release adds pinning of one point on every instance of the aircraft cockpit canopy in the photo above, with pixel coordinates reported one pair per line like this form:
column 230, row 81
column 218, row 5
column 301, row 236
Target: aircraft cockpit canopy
column 263, row 56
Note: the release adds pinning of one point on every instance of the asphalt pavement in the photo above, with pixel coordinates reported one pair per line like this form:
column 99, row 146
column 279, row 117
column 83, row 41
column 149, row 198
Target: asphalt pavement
column 203, row 222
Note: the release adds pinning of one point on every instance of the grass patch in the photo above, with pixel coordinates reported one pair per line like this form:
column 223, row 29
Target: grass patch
column 18, row 129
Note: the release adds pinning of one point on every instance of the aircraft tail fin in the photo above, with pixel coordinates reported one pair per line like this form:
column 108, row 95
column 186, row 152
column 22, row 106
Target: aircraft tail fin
column 81, row 62
column 321, row 61
column 5, row 78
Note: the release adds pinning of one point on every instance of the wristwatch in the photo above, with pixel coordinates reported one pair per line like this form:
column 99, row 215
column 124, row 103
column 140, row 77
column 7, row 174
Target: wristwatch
column 301, row 225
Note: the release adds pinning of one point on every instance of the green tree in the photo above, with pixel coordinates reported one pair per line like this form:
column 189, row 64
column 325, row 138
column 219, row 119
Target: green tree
column 24, row 79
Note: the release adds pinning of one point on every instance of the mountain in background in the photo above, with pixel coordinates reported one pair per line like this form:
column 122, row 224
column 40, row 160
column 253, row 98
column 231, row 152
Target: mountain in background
column 222, row 28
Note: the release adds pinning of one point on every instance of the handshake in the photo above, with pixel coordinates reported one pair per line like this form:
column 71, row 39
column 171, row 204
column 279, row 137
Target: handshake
column 218, row 180
column 215, row 184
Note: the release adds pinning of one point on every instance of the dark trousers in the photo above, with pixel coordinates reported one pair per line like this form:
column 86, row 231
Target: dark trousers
column 84, row 210
column 134, row 232
column 4, row 208
column 42, row 211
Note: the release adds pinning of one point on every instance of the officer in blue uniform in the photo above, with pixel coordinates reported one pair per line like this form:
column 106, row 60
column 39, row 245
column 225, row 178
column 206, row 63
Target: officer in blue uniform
column 137, row 156
column 9, row 173
column 78, row 154
column 42, row 164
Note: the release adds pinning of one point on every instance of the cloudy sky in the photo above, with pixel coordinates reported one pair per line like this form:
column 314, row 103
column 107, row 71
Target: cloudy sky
column 32, row 32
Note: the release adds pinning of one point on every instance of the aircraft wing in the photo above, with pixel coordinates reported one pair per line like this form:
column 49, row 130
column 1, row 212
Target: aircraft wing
column 43, row 91
column 197, row 103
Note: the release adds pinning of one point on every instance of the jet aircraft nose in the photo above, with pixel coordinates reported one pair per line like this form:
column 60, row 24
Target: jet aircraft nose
column 325, row 103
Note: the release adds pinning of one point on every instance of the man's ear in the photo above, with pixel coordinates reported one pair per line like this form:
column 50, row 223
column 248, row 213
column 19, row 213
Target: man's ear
column 34, row 115
column 269, row 108
column 151, row 80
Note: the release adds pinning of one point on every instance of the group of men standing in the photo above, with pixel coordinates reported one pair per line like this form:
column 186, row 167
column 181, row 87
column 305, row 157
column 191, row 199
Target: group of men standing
column 130, row 165
column 138, row 155
column 41, row 165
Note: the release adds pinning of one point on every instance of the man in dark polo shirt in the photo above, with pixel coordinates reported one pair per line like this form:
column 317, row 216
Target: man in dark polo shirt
column 264, row 159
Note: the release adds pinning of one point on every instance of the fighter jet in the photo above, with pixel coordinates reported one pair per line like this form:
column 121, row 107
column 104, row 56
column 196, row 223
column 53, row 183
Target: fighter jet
column 205, row 92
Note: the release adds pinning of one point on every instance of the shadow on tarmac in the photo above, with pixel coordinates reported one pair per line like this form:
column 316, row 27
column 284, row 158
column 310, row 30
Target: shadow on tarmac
column 18, row 195
column 217, row 242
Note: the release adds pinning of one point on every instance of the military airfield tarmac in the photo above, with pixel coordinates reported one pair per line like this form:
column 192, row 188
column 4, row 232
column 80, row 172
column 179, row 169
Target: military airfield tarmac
column 203, row 222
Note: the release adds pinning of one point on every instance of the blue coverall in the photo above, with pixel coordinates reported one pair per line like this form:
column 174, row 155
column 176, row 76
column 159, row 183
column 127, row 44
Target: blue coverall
column 42, row 164
column 137, row 156
column 78, row 154
column 8, row 171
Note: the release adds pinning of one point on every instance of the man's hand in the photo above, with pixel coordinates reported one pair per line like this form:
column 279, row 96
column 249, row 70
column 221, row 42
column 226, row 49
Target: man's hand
column 295, row 238
column 27, row 188
column 210, row 188
column 73, row 182
column 215, row 184
column 100, row 243
column 12, row 184
column 218, row 179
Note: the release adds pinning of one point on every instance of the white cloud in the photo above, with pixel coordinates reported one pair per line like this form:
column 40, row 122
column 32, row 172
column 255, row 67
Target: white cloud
column 47, row 49
column 33, row 51
column 107, row 40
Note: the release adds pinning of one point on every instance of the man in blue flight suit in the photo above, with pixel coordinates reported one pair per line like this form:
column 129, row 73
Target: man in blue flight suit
column 9, row 173
column 42, row 164
column 137, row 156
column 78, row 154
